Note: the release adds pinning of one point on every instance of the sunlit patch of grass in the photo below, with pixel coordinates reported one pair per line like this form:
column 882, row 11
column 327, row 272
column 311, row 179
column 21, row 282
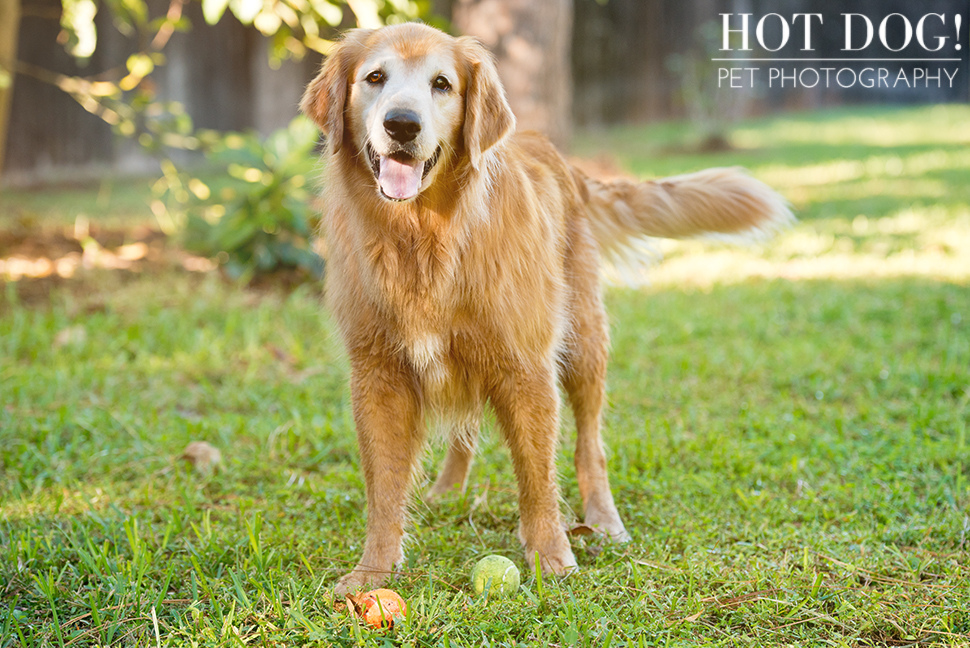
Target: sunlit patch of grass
column 882, row 167
column 932, row 243
column 942, row 124
column 112, row 202
column 812, row 175
column 899, row 189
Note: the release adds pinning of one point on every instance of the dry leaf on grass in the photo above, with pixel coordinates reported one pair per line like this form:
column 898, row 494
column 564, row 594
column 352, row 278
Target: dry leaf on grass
column 71, row 336
column 581, row 529
column 203, row 456
column 281, row 354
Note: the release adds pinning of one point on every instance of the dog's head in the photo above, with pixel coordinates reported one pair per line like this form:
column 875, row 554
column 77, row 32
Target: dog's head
column 408, row 101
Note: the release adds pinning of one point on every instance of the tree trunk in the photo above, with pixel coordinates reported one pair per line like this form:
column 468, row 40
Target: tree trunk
column 9, row 25
column 531, row 41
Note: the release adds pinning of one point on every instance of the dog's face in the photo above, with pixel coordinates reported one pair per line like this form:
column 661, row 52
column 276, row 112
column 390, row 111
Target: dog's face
column 403, row 112
column 409, row 101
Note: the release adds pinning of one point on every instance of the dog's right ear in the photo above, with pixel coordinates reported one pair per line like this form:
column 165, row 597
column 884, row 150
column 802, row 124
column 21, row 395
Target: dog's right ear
column 326, row 96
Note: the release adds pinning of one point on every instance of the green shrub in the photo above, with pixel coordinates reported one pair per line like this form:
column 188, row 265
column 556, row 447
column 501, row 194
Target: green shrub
column 256, row 217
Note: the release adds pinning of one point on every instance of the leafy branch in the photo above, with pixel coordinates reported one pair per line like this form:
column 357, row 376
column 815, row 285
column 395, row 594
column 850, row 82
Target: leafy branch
column 258, row 219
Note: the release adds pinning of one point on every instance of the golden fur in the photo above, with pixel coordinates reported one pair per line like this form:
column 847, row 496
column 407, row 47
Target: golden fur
column 483, row 286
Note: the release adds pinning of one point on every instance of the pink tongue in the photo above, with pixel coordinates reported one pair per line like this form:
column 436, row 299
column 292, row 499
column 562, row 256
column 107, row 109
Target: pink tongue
column 400, row 180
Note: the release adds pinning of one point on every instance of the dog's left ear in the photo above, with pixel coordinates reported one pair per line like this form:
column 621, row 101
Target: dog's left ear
column 488, row 117
column 326, row 96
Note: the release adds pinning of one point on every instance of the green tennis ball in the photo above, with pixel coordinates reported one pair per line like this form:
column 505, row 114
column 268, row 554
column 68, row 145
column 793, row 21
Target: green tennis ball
column 496, row 573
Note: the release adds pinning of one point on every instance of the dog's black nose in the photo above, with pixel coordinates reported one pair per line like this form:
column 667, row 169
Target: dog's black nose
column 402, row 125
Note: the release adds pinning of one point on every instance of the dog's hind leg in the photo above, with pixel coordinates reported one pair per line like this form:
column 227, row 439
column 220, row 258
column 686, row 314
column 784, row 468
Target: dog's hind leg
column 583, row 376
column 584, row 382
column 453, row 473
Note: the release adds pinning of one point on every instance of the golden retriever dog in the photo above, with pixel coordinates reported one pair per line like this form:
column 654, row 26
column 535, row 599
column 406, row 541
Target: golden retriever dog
column 464, row 271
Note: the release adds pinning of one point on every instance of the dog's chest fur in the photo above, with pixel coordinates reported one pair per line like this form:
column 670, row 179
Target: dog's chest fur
column 461, row 295
column 417, row 275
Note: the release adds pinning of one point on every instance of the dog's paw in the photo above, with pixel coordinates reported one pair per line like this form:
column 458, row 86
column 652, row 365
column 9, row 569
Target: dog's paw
column 440, row 489
column 606, row 521
column 360, row 579
column 612, row 530
column 559, row 563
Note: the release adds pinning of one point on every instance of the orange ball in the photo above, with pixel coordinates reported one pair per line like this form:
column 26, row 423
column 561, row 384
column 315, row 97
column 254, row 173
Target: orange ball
column 380, row 608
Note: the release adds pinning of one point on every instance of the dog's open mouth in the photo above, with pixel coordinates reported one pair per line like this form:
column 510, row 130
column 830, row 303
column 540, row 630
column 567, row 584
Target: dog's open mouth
column 399, row 175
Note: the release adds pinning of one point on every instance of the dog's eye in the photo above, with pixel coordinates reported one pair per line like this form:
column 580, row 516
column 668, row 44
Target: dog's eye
column 441, row 83
column 375, row 77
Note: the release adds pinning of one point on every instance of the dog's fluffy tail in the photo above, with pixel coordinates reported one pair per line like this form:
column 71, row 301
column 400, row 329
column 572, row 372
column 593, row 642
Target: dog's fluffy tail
column 724, row 204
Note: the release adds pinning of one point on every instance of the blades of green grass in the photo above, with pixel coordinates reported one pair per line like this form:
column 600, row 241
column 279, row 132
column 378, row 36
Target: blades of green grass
column 47, row 583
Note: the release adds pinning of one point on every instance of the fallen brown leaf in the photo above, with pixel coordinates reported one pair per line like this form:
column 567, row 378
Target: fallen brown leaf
column 71, row 336
column 581, row 529
column 203, row 456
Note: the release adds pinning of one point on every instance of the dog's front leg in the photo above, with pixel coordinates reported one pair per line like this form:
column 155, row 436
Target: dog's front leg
column 387, row 413
column 527, row 407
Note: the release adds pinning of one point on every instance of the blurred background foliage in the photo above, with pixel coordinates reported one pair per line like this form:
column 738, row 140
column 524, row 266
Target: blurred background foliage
column 174, row 97
column 256, row 217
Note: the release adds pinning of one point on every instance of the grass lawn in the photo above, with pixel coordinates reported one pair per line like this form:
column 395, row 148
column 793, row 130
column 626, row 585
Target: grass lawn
column 787, row 431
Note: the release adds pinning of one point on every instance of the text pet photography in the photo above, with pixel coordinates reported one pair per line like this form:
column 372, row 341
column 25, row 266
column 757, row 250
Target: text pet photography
column 937, row 35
